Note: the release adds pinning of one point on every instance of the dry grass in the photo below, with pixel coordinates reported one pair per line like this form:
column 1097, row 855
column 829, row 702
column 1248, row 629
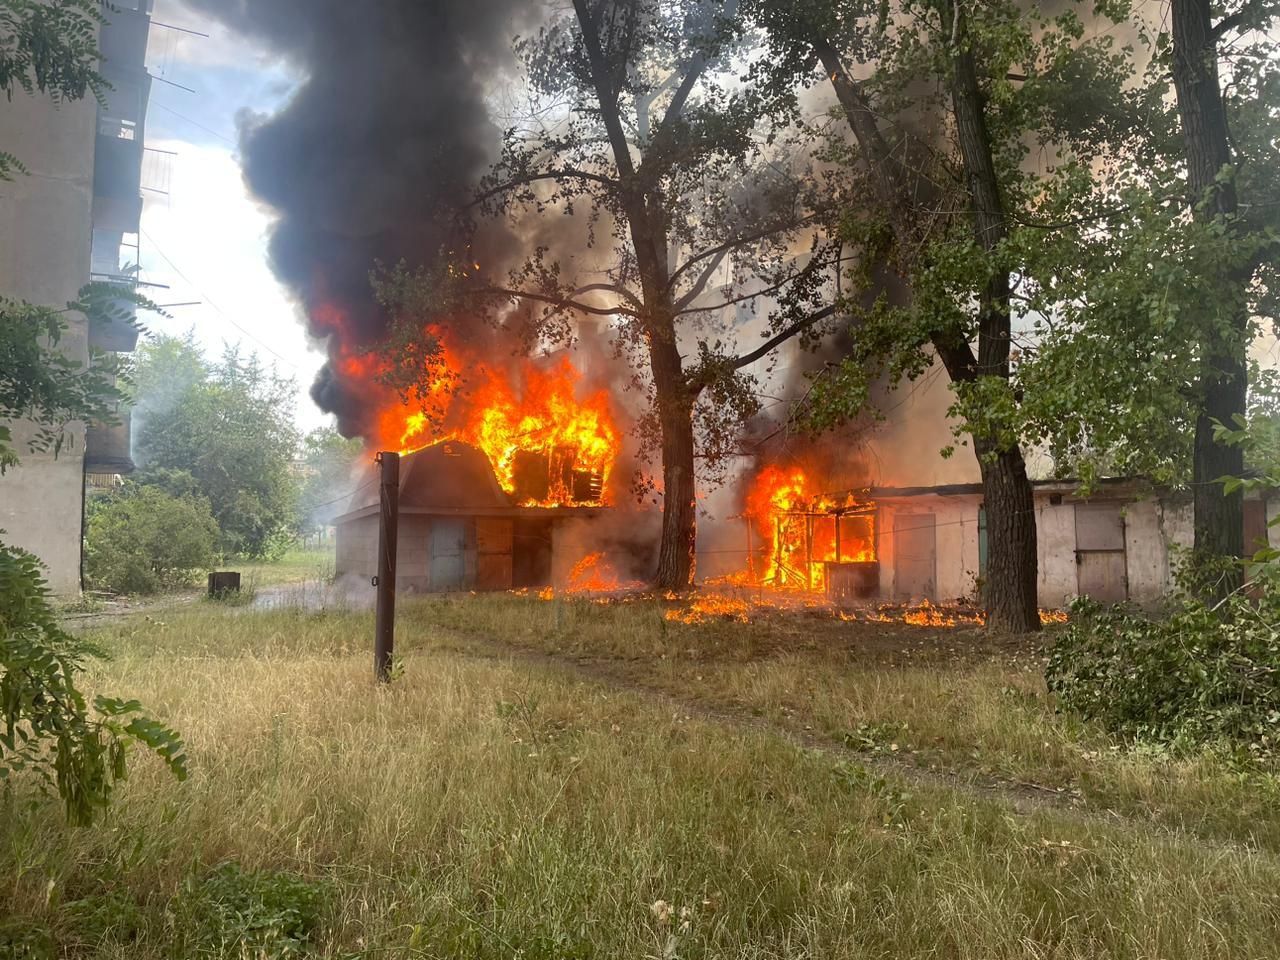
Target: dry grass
column 482, row 808
column 957, row 699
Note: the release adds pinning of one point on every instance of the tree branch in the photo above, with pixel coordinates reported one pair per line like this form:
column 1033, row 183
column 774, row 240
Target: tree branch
column 782, row 336
column 606, row 93
column 611, row 288
column 568, row 173
column 1227, row 24
column 697, row 66
column 561, row 302
column 701, row 283
column 736, row 242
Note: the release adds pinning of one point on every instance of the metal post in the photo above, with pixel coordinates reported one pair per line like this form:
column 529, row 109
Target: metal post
column 751, row 562
column 388, row 524
column 838, row 515
column 808, row 551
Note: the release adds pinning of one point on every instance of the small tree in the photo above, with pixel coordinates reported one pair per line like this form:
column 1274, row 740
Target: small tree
column 636, row 121
column 43, row 386
column 144, row 540
column 229, row 425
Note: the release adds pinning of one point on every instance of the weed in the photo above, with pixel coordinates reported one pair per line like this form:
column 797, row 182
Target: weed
column 232, row 912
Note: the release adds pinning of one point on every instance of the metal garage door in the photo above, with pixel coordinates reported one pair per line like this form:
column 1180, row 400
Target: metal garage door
column 1101, row 569
column 448, row 554
column 915, row 556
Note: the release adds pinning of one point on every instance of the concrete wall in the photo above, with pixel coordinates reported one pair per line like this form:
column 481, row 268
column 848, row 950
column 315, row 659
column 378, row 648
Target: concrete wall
column 1156, row 531
column 45, row 232
column 356, row 553
column 955, row 538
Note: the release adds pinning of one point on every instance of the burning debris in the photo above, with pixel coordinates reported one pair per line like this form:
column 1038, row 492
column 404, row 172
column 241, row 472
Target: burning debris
column 813, row 542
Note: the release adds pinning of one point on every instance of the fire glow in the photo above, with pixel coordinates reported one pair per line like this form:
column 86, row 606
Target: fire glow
column 805, row 531
column 550, row 441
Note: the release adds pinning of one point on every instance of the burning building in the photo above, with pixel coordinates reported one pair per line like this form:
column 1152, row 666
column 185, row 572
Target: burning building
column 461, row 530
column 1117, row 542
column 882, row 514
column 504, row 468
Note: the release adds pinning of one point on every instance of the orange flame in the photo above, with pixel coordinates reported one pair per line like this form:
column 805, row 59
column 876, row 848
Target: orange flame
column 799, row 528
column 535, row 411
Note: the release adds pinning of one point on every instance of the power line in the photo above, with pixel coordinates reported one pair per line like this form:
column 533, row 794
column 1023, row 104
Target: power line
column 194, row 123
column 222, row 313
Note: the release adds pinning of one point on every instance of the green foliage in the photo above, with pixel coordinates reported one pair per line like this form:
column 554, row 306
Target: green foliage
column 1202, row 675
column 41, row 384
column 227, row 425
column 47, row 729
column 49, row 47
column 237, row 913
column 145, row 539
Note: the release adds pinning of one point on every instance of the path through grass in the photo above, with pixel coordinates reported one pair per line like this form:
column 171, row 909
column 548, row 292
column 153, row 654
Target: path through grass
column 484, row 807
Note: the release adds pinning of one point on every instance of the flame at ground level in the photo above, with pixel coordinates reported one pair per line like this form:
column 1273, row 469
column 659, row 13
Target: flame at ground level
column 803, row 530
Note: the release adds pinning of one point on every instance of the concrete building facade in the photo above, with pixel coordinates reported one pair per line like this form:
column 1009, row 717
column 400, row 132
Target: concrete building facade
column 1119, row 543
column 67, row 221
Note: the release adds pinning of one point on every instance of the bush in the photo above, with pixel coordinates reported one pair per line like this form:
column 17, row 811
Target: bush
column 47, row 729
column 145, row 539
column 1204, row 674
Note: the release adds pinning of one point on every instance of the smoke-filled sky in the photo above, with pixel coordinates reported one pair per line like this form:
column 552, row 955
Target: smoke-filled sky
column 344, row 130
column 203, row 236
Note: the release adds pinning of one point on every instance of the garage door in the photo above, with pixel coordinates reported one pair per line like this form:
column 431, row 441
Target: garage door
column 1101, row 569
column 915, row 556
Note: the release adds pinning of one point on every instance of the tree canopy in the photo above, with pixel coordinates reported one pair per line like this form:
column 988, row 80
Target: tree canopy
column 224, row 428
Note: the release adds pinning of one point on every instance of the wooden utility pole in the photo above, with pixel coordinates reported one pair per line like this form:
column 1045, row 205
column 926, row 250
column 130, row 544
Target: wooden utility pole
column 388, row 524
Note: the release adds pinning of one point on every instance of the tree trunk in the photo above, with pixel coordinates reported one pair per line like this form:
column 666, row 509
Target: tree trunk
column 1011, row 529
column 679, row 509
column 1011, row 590
column 1010, row 587
column 1219, row 528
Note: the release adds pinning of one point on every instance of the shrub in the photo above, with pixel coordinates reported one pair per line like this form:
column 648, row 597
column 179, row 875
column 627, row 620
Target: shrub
column 145, row 539
column 46, row 726
column 1204, row 674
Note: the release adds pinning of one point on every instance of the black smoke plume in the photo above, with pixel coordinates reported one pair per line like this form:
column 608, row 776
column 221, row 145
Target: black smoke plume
column 370, row 158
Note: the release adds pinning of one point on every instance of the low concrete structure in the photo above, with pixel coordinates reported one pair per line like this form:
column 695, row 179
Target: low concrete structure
column 1118, row 543
column 459, row 530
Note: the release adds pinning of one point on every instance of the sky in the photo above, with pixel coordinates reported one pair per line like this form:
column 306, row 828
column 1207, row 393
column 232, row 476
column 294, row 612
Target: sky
column 203, row 235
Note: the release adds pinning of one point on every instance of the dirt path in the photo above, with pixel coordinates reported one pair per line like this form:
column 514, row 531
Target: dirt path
column 1024, row 798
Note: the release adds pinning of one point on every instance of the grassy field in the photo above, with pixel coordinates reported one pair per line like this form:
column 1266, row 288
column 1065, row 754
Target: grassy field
column 571, row 780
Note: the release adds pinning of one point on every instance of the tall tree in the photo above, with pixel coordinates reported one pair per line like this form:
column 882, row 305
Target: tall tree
column 943, row 101
column 227, row 433
column 329, row 463
column 634, row 119
column 1212, row 175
